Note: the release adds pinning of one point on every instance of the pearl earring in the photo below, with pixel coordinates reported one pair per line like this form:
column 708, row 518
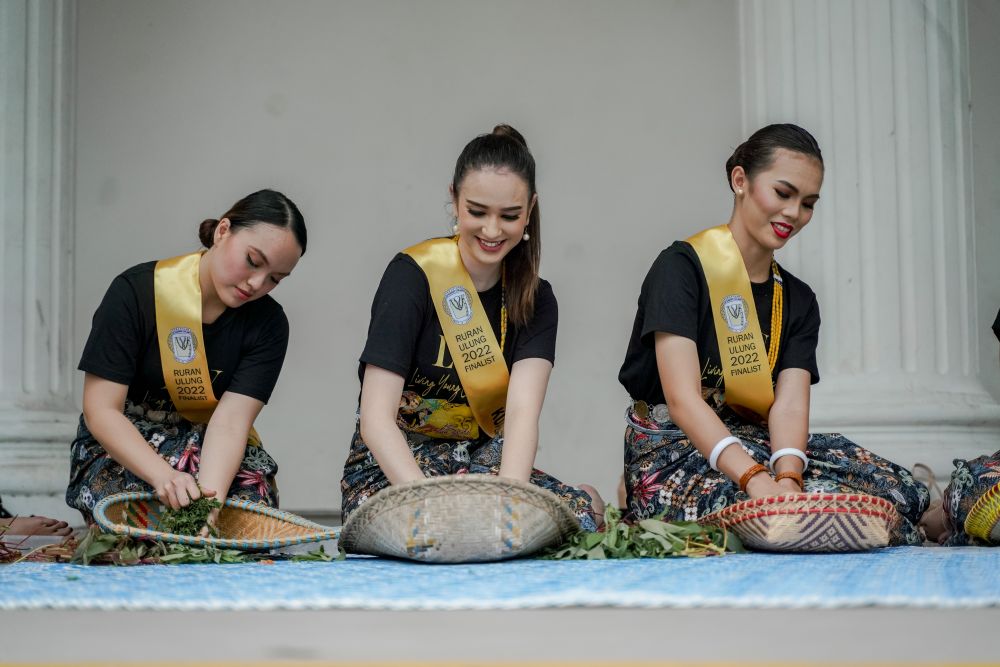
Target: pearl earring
column 739, row 192
column 454, row 228
column 526, row 236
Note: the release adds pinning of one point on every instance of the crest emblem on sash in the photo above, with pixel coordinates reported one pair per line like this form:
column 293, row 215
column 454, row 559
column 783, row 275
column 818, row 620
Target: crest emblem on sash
column 458, row 304
column 183, row 344
column 734, row 312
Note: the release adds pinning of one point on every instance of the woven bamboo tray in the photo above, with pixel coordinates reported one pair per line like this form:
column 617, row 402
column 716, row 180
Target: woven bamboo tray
column 983, row 520
column 810, row 522
column 242, row 524
column 458, row 519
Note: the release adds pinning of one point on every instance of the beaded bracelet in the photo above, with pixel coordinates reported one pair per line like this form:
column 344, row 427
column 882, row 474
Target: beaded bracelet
column 790, row 474
column 753, row 470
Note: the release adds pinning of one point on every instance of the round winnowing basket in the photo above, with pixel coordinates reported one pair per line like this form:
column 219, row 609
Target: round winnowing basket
column 242, row 524
column 983, row 520
column 810, row 522
column 458, row 519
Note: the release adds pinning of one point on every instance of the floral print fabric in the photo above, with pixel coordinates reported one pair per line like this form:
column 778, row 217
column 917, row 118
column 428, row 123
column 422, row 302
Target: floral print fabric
column 94, row 475
column 363, row 477
column 969, row 481
column 664, row 473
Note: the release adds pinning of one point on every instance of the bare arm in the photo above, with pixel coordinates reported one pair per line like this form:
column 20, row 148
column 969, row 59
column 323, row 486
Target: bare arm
column 680, row 376
column 381, row 390
column 102, row 412
column 226, row 441
column 788, row 422
column 529, row 378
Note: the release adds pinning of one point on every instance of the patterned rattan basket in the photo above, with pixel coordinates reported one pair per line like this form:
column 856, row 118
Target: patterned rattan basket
column 242, row 524
column 810, row 522
column 983, row 520
column 458, row 519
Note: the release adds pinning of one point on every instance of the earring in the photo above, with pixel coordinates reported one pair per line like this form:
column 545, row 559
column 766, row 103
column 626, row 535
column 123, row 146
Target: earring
column 526, row 236
column 454, row 228
column 739, row 192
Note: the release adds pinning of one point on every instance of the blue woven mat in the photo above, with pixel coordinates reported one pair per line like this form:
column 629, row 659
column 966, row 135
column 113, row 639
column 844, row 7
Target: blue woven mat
column 900, row 577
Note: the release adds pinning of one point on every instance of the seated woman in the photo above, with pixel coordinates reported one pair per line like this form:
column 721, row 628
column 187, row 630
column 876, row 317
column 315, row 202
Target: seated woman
column 462, row 341
column 167, row 340
column 722, row 290
column 945, row 521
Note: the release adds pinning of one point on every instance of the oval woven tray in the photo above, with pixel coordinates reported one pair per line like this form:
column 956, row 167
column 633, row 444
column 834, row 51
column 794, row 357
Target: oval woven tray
column 983, row 520
column 810, row 522
column 458, row 519
column 242, row 524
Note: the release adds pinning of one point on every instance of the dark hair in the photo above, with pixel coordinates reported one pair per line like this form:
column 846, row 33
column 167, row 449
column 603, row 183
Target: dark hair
column 268, row 207
column 505, row 148
column 757, row 153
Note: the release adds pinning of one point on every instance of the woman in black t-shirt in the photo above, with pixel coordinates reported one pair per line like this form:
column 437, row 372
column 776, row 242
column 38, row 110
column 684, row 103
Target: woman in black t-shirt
column 690, row 404
column 171, row 336
column 415, row 418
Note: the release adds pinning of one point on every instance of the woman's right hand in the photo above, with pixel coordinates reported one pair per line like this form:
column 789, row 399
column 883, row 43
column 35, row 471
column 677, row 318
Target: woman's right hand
column 762, row 485
column 177, row 489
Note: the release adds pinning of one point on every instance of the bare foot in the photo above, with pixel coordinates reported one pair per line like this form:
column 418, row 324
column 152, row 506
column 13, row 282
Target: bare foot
column 595, row 501
column 35, row 525
column 933, row 522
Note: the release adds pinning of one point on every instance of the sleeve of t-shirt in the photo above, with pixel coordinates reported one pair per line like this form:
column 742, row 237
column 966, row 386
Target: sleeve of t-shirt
column 538, row 338
column 803, row 337
column 672, row 289
column 260, row 363
column 397, row 316
column 115, row 342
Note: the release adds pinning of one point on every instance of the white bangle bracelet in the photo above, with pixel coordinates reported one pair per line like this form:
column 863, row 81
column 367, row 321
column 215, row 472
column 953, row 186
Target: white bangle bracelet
column 789, row 451
column 713, row 459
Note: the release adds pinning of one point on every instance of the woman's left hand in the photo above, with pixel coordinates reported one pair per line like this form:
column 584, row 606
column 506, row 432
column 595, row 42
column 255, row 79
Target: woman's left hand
column 789, row 486
column 211, row 524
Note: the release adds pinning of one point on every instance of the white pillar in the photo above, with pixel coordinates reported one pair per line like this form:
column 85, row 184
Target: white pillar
column 37, row 415
column 883, row 85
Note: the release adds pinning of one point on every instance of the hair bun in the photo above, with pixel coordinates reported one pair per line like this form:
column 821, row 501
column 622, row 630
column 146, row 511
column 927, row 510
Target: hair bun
column 206, row 232
column 504, row 130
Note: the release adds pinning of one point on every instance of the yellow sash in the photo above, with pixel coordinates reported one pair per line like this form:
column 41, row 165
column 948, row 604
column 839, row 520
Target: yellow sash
column 745, row 368
column 177, row 294
column 474, row 348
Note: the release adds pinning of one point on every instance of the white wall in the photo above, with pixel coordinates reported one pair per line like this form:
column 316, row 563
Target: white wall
column 984, row 53
column 357, row 111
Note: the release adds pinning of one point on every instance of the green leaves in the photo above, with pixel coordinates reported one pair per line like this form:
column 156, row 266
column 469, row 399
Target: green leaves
column 320, row 555
column 189, row 520
column 99, row 548
column 179, row 554
column 650, row 538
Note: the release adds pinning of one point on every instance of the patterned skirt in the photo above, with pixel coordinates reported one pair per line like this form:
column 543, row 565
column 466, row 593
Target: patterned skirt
column 664, row 473
column 363, row 477
column 94, row 475
column 969, row 481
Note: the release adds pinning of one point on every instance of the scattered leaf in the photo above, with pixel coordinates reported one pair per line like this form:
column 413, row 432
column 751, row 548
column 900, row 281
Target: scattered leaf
column 649, row 538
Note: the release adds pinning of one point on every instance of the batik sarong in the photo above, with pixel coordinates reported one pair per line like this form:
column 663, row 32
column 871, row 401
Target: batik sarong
column 363, row 477
column 94, row 475
column 665, row 474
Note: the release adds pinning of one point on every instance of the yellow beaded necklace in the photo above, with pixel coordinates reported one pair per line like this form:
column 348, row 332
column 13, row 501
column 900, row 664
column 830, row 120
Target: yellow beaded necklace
column 777, row 300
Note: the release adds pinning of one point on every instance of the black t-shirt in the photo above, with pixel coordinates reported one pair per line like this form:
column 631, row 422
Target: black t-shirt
column 245, row 347
column 996, row 326
column 405, row 337
column 674, row 299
